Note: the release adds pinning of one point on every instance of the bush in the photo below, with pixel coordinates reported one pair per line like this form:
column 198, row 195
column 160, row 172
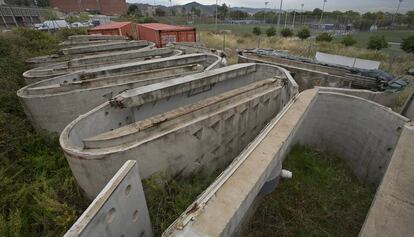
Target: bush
column 271, row 32
column 286, row 32
column 324, row 37
column 304, row 33
column 377, row 42
column 63, row 34
column 147, row 20
column 408, row 44
column 348, row 41
column 240, row 41
column 257, row 31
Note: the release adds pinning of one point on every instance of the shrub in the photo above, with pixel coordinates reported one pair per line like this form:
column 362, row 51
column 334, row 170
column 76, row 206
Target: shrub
column 63, row 34
column 348, row 41
column 240, row 41
column 377, row 42
column 147, row 20
column 324, row 37
column 408, row 44
column 286, row 32
column 271, row 31
column 257, row 31
column 304, row 33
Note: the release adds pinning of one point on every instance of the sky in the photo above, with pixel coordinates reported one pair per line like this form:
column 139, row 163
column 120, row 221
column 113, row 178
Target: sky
column 356, row 5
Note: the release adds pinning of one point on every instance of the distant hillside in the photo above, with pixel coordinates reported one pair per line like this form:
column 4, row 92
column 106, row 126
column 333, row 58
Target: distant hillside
column 205, row 9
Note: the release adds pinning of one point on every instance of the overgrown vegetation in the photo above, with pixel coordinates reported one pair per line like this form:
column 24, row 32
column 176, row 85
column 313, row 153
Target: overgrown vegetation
column 377, row 42
column 324, row 37
column 257, row 31
column 286, row 32
column 39, row 196
column 271, row 31
column 166, row 200
column 408, row 44
column 322, row 199
column 304, row 33
column 348, row 40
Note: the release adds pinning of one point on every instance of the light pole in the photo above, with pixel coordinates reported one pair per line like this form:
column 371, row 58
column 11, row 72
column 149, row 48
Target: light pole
column 294, row 17
column 396, row 12
column 278, row 15
column 171, row 11
column 323, row 9
column 301, row 16
column 264, row 13
column 216, row 14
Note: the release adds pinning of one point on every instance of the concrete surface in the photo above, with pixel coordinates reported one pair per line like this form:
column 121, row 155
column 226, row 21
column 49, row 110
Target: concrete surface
column 309, row 75
column 78, row 40
column 95, row 61
column 66, row 54
column 53, row 103
column 408, row 107
column 120, row 208
column 197, row 122
column 392, row 211
column 350, row 128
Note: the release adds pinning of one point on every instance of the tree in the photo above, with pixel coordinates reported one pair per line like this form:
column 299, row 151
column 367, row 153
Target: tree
column 348, row 41
column 195, row 11
column 159, row 12
column 317, row 11
column 222, row 11
column 304, row 33
column 257, row 31
column 286, row 32
column 133, row 10
column 324, row 37
column 377, row 42
column 271, row 31
column 410, row 18
column 238, row 14
column 408, row 44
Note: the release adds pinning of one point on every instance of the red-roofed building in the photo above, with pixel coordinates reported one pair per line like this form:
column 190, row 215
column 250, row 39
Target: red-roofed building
column 107, row 7
column 116, row 28
column 162, row 34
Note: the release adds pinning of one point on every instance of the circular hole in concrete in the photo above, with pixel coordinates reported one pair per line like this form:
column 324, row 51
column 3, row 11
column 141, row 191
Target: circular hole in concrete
column 128, row 189
column 110, row 215
column 135, row 216
column 106, row 112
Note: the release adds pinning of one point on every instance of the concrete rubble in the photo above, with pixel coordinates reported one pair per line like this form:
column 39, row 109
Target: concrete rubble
column 127, row 111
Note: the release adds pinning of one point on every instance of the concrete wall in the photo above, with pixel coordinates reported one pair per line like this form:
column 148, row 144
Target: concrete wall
column 341, row 123
column 52, row 104
column 95, row 61
column 309, row 75
column 199, row 134
column 408, row 108
column 120, row 208
column 80, row 51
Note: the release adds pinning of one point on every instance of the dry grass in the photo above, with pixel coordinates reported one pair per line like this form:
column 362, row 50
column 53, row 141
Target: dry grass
column 306, row 48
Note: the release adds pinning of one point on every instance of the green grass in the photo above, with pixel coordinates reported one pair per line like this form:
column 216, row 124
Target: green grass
column 39, row 195
column 166, row 200
column 322, row 199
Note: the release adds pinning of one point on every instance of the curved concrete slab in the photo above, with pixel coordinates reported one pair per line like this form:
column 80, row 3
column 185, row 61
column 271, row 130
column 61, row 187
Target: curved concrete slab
column 80, row 51
column 96, row 61
column 178, row 126
column 53, row 103
column 79, row 40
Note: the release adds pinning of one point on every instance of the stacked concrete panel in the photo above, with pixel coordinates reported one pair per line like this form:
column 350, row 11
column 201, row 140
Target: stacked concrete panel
column 95, row 61
column 53, row 103
column 79, row 40
column 67, row 54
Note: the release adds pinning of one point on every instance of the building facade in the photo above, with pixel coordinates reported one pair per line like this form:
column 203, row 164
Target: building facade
column 107, row 7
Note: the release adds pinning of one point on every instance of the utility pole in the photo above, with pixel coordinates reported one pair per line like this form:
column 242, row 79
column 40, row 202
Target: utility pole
column 264, row 13
column 396, row 12
column 171, row 11
column 323, row 9
column 278, row 15
column 286, row 18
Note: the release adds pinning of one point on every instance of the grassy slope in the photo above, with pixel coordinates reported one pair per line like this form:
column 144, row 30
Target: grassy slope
column 322, row 199
column 39, row 196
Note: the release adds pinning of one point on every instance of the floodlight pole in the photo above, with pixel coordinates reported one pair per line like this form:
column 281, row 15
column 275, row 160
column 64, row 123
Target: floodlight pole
column 278, row 15
column 264, row 13
column 323, row 9
column 301, row 17
column 216, row 15
column 396, row 12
